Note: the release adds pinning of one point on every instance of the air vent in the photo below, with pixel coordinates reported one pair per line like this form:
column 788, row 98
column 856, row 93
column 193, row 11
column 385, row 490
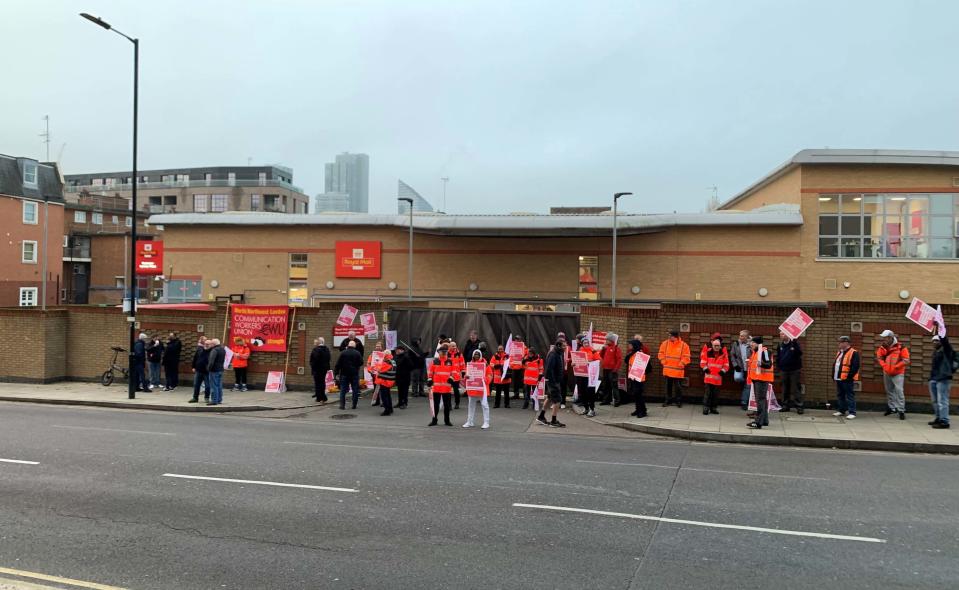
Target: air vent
column 855, row 327
column 301, row 370
column 830, row 284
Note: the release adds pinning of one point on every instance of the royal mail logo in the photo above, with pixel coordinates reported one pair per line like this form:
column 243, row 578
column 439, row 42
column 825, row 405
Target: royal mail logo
column 358, row 260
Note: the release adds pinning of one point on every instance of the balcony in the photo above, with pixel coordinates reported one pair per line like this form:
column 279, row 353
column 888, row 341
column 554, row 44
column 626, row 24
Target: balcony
column 104, row 188
column 162, row 208
column 76, row 253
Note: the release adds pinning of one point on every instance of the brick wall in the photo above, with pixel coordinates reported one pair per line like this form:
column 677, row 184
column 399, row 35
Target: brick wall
column 32, row 347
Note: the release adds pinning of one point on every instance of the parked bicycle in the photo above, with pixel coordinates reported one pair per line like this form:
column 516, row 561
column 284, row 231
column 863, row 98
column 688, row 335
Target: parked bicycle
column 110, row 374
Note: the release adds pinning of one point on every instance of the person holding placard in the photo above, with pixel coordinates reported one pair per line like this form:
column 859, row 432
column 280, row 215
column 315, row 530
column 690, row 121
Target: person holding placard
column 532, row 373
column 501, row 383
column 789, row 363
column 637, row 387
column 760, row 376
column 674, row 356
column 715, row 365
column 372, row 362
column 385, row 378
column 940, row 376
column 581, row 360
column 479, row 375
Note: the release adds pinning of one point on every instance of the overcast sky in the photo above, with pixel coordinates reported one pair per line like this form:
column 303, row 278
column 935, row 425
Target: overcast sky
column 522, row 104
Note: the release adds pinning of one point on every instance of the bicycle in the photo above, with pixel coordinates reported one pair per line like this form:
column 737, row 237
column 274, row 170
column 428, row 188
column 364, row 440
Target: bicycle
column 108, row 376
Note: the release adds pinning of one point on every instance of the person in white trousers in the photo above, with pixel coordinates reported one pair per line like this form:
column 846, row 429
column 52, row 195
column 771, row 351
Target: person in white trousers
column 474, row 396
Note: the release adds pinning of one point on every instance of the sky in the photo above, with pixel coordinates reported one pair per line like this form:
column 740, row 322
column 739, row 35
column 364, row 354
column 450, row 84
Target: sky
column 523, row 105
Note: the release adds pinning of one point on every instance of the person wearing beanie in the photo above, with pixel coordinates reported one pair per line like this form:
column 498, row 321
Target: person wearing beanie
column 708, row 345
column 760, row 376
column 674, row 356
column 715, row 365
column 612, row 360
column 474, row 396
column 893, row 358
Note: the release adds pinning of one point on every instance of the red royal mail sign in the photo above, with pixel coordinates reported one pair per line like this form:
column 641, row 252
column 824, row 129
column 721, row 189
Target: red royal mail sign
column 358, row 260
column 149, row 257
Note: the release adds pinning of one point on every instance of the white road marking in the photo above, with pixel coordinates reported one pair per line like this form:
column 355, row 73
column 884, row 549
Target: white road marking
column 705, row 524
column 112, row 430
column 57, row 579
column 261, row 483
column 704, row 470
column 291, row 442
column 18, row 462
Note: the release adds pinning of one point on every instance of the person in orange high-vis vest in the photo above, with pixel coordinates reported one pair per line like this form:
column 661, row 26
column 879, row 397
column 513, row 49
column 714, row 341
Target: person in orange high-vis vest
column 845, row 374
column 385, row 378
column 241, row 360
column 674, row 356
column 480, row 397
column 893, row 357
column 517, row 351
column 371, row 367
column 715, row 364
column 459, row 370
column 440, row 382
column 532, row 373
column 760, row 376
column 500, row 383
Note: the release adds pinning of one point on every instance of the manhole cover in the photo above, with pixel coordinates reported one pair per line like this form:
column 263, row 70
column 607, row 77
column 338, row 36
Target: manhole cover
column 342, row 416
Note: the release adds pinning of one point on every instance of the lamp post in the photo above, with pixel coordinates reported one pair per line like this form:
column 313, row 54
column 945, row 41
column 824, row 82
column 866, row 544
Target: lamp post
column 615, row 201
column 131, row 286
column 410, row 271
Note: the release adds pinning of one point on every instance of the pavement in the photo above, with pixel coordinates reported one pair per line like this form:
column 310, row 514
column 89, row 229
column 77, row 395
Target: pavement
column 815, row 428
column 312, row 498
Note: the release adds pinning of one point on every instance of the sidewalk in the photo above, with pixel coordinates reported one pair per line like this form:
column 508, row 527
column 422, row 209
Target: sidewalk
column 816, row 428
column 115, row 396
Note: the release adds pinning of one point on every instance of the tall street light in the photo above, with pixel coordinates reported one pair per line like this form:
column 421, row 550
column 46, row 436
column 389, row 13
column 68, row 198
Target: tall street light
column 410, row 271
column 615, row 201
column 131, row 285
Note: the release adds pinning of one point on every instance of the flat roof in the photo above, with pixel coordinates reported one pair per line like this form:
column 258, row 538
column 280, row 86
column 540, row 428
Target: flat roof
column 523, row 225
column 850, row 156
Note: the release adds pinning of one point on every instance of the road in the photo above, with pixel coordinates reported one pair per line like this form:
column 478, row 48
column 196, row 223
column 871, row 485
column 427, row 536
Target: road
column 114, row 497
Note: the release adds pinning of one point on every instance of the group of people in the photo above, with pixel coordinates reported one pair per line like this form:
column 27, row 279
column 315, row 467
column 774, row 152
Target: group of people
column 152, row 354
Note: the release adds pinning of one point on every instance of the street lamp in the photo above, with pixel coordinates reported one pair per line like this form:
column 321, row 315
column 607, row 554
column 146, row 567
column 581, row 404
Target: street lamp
column 410, row 271
column 615, row 201
column 131, row 286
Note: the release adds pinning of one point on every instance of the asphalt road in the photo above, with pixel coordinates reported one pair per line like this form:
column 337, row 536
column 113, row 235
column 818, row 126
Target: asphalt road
column 394, row 504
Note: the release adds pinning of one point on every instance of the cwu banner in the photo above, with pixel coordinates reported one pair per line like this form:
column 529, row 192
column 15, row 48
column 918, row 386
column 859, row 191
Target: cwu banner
column 264, row 327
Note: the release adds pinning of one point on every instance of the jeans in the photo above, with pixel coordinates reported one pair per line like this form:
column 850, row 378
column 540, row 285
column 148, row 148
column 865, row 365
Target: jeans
column 791, row 389
column 744, row 397
column 215, row 385
column 199, row 380
column 345, row 384
column 939, row 392
column 846, row 397
column 895, row 398
column 154, row 374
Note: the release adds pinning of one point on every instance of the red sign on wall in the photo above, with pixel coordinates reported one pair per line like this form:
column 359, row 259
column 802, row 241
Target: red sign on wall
column 358, row 260
column 149, row 257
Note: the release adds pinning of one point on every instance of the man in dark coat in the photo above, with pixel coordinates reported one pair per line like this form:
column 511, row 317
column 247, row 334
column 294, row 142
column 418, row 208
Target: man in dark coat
column 200, row 359
column 347, row 369
column 319, row 365
column 404, row 371
column 356, row 342
column 472, row 344
column 171, row 362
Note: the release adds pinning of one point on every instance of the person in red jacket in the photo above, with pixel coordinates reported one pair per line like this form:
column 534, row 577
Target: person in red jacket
column 612, row 360
column 517, row 353
column 532, row 373
column 385, row 378
column 501, row 383
column 440, row 382
column 715, row 364
column 241, row 360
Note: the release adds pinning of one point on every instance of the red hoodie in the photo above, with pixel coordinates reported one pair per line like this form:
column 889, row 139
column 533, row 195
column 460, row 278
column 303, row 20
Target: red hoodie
column 612, row 357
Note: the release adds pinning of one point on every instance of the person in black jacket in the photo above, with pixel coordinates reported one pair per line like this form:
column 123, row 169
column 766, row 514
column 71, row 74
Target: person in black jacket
column 404, row 371
column 472, row 344
column 789, row 363
column 319, row 366
column 214, row 367
column 637, row 389
column 554, row 371
column 348, row 368
column 200, row 359
column 171, row 362
column 356, row 342
column 139, row 363
column 155, row 360
column 940, row 378
column 418, row 358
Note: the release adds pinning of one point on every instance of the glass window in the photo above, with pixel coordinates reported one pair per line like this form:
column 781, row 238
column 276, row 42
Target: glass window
column 79, row 216
column 181, row 290
column 30, row 212
column 116, row 220
column 200, row 203
column 828, row 225
column 851, row 226
column 28, row 252
column 256, row 202
column 219, row 203
column 129, row 221
column 169, row 200
column 297, row 288
column 829, row 247
column 97, row 218
column 828, row 204
column 30, row 174
column 588, row 286
column 231, row 178
column 28, row 296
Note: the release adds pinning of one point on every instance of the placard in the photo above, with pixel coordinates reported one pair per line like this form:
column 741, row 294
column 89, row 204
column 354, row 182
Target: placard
column 517, row 351
column 637, row 367
column 580, row 364
column 476, row 377
column 227, row 357
column 347, row 315
column 593, row 374
column 275, row 382
column 921, row 313
column 390, row 337
column 368, row 320
column 598, row 340
column 330, row 380
column 797, row 323
column 376, row 359
column 263, row 327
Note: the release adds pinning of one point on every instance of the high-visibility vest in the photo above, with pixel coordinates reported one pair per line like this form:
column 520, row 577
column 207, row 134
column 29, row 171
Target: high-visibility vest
column 459, row 365
column 386, row 372
column 440, row 372
column 713, row 366
column 674, row 356
column 532, row 370
column 846, row 364
column 517, row 364
column 893, row 360
column 496, row 364
column 757, row 372
column 241, row 356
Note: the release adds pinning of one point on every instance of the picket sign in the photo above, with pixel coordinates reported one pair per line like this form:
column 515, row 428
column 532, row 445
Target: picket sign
column 330, row 381
column 347, row 315
column 275, row 382
column 772, row 404
column 921, row 313
column 797, row 323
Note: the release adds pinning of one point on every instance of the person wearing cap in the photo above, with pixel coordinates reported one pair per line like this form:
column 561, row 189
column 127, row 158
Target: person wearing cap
column 845, row 374
column 760, row 376
column 893, row 357
column 940, row 377
column 674, row 356
column 789, row 363
column 481, row 397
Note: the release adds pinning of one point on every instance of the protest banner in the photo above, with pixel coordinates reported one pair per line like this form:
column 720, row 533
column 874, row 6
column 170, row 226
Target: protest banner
column 593, row 374
column 275, row 382
column 330, row 381
column 476, row 377
column 921, row 313
column 391, row 339
column 797, row 323
column 264, row 327
column 368, row 320
column 580, row 364
column 517, row 350
column 347, row 315
column 637, row 367
column 598, row 340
